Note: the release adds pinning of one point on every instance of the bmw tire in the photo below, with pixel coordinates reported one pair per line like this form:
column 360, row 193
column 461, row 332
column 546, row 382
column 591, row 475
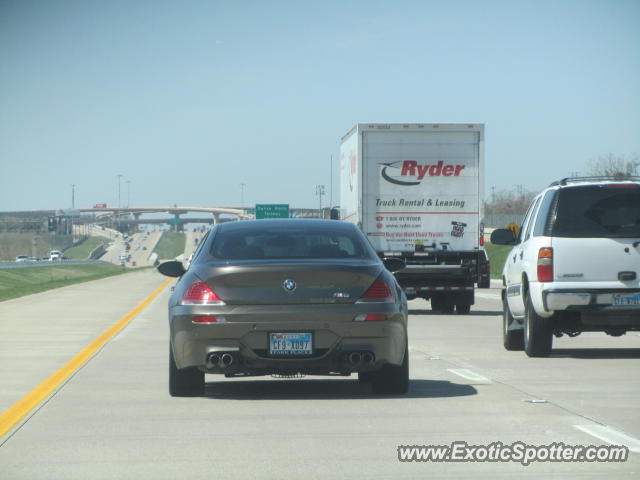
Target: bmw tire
column 391, row 379
column 188, row 382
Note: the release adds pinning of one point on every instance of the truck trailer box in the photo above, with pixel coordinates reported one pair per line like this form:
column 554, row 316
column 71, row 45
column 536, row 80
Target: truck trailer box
column 416, row 192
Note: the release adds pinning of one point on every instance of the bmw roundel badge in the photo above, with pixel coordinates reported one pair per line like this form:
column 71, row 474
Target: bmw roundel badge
column 289, row 284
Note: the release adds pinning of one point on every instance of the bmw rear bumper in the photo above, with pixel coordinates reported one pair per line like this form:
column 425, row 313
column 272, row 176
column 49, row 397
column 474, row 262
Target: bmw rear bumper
column 244, row 332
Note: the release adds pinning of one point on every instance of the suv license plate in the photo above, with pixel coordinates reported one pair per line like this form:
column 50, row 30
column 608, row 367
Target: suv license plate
column 620, row 299
column 290, row 344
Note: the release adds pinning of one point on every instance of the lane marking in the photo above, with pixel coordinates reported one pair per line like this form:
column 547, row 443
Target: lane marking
column 10, row 417
column 492, row 296
column 611, row 435
column 469, row 375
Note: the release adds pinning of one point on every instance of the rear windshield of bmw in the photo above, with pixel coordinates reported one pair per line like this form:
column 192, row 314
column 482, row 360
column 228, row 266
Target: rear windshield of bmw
column 265, row 242
column 598, row 211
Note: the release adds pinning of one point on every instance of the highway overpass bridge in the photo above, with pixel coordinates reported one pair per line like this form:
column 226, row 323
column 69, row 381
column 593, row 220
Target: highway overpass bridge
column 126, row 217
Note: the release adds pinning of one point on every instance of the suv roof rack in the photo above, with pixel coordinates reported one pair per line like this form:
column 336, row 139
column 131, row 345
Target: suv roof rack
column 597, row 178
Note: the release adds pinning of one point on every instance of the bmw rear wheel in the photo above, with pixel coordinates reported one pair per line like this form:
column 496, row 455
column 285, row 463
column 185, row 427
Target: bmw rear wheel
column 188, row 382
column 391, row 379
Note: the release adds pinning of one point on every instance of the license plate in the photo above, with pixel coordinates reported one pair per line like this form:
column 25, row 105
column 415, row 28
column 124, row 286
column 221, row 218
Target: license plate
column 620, row 299
column 290, row 344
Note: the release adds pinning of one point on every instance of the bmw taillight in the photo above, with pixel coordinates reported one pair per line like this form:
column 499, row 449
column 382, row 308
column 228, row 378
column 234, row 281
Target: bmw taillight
column 379, row 291
column 545, row 264
column 370, row 317
column 204, row 319
column 200, row 294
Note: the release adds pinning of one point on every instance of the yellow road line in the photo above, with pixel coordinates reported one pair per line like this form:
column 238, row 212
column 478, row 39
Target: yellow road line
column 22, row 407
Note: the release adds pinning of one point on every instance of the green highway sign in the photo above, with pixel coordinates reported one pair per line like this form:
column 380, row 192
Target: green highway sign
column 276, row 210
column 175, row 221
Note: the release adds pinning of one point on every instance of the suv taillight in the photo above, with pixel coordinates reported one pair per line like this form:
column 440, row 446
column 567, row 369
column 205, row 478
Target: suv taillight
column 200, row 294
column 545, row 264
column 379, row 291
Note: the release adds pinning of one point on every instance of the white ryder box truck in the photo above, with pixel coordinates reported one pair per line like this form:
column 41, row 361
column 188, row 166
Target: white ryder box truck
column 416, row 191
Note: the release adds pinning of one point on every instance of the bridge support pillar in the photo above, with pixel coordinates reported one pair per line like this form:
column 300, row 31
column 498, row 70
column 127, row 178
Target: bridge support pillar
column 177, row 225
column 136, row 226
column 216, row 218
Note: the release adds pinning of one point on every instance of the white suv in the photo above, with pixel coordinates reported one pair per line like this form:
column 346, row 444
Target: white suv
column 575, row 266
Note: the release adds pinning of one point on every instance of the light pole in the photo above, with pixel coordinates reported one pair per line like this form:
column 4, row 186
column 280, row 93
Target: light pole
column 118, row 211
column 331, row 184
column 242, row 185
column 320, row 193
column 73, row 206
column 119, row 179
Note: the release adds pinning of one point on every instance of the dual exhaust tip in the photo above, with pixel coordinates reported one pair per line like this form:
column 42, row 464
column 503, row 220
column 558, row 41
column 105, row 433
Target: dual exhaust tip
column 356, row 358
column 221, row 360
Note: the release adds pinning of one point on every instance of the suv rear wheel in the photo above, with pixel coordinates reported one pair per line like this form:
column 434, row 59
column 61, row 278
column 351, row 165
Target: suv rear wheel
column 512, row 339
column 538, row 332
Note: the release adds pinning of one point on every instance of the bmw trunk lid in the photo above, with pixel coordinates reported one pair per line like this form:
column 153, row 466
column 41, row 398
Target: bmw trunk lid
column 281, row 282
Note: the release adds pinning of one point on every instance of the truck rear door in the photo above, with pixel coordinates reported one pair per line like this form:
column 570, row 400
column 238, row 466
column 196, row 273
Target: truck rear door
column 421, row 186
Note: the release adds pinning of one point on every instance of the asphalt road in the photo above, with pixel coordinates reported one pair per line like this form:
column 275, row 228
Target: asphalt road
column 115, row 419
column 141, row 248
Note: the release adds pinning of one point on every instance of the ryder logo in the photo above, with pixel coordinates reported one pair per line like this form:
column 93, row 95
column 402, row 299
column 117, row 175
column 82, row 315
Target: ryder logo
column 410, row 172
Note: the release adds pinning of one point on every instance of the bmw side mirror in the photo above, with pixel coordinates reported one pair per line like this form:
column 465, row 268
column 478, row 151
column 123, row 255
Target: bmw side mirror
column 503, row 236
column 172, row 269
column 393, row 264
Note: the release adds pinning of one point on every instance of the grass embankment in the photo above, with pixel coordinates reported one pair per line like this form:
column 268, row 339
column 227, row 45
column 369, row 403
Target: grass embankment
column 84, row 249
column 18, row 282
column 170, row 245
column 497, row 257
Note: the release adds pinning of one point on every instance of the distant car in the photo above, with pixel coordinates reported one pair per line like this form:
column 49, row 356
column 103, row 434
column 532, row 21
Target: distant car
column 22, row 258
column 287, row 297
column 575, row 264
column 55, row 255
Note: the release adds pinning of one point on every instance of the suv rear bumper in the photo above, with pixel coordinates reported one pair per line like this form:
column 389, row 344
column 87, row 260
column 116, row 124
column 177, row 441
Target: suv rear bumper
column 565, row 299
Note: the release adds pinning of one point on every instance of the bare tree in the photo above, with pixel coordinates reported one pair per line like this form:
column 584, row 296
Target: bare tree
column 616, row 166
column 515, row 201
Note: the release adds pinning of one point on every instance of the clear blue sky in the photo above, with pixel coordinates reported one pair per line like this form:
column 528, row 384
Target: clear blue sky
column 189, row 99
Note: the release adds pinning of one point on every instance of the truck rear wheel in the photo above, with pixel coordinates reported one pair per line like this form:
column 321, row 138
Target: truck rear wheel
column 441, row 304
column 463, row 309
column 437, row 303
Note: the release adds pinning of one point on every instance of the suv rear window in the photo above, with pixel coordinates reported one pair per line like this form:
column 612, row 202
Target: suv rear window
column 598, row 211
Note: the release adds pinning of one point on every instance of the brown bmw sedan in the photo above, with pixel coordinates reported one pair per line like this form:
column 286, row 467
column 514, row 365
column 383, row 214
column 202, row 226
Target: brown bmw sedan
column 283, row 298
